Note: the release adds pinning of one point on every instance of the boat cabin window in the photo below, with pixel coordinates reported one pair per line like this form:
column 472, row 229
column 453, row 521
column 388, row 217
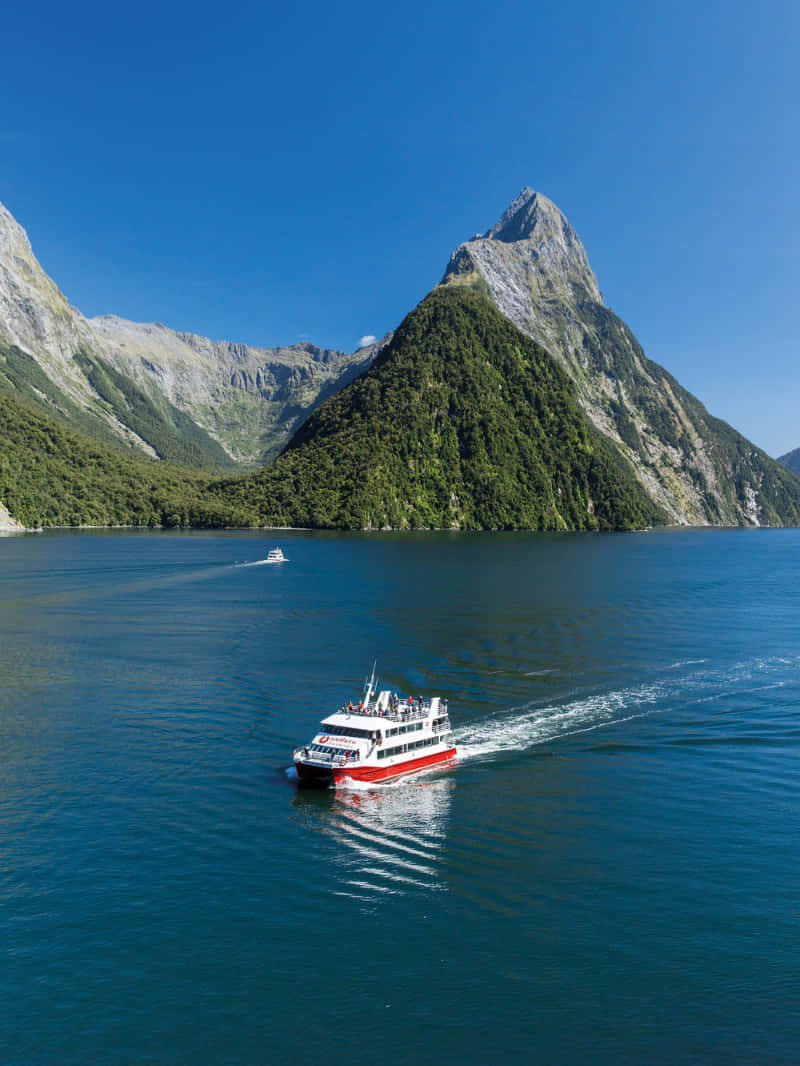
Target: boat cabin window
column 325, row 749
column 400, row 749
column 346, row 731
column 412, row 727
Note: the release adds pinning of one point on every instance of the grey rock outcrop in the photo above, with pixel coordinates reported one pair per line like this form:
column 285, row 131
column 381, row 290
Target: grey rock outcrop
column 9, row 524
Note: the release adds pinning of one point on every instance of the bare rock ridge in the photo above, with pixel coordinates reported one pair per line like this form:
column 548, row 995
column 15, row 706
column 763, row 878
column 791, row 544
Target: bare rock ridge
column 244, row 399
column 535, row 269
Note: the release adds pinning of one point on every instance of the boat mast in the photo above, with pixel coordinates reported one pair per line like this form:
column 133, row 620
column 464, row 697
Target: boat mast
column 369, row 685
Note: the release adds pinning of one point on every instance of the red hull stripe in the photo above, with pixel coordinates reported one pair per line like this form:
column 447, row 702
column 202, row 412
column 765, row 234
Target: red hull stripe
column 383, row 773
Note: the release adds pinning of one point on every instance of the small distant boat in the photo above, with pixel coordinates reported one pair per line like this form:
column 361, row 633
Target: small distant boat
column 276, row 556
column 382, row 737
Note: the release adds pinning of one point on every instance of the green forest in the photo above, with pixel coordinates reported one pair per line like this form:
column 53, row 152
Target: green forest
column 461, row 423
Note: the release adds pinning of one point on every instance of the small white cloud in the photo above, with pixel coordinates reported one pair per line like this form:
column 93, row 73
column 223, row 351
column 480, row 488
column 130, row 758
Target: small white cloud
column 369, row 339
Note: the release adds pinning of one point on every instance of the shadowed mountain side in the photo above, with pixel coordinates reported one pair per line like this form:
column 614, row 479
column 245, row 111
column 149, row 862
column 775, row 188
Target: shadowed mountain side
column 462, row 422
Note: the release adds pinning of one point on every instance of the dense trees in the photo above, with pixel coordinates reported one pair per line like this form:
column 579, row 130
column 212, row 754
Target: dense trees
column 462, row 422
column 51, row 476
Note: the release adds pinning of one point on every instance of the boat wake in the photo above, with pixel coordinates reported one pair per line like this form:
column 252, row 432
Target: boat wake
column 536, row 723
column 525, row 727
column 261, row 562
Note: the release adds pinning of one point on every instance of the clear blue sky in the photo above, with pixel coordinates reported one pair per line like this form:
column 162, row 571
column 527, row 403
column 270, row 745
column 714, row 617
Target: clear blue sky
column 275, row 172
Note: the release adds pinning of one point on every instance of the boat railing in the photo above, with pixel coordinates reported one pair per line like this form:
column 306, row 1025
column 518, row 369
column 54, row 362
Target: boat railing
column 325, row 757
column 402, row 712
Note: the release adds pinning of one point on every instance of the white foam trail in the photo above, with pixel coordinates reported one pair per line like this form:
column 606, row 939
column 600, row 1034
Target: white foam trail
column 527, row 727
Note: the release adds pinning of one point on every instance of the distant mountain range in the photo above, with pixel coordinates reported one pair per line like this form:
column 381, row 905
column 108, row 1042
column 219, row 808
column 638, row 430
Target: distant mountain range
column 173, row 395
column 510, row 398
column 791, row 460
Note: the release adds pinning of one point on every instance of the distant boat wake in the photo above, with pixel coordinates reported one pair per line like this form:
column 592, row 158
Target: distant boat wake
column 263, row 562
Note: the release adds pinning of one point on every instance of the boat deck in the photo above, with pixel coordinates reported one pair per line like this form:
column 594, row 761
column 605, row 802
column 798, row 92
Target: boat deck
column 386, row 708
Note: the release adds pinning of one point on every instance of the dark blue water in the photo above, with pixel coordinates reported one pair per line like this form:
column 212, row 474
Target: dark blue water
column 610, row 875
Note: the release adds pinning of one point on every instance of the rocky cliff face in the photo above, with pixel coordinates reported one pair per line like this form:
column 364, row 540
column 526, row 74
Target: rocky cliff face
column 697, row 468
column 34, row 313
column 249, row 400
column 9, row 524
column 36, row 317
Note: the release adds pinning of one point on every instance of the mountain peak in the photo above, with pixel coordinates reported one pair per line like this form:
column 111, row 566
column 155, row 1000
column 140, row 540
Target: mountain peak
column 34, row 313
column 533, row 255
column 532, row 218
column 527, row 216
column 13, row 238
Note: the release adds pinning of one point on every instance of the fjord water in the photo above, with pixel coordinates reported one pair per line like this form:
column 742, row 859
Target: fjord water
column 610, row 874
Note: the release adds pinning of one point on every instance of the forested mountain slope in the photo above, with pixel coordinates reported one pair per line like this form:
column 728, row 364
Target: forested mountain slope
column 52, row 476
column 696, row 467
column 461, row 423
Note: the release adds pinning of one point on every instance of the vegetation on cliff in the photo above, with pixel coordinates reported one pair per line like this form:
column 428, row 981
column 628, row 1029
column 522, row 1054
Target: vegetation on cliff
column 677, row 439
column 173, row 435
column 169, row 432
column 463, row 422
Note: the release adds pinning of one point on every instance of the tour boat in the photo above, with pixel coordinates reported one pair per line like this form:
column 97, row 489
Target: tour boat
column 276, row 556
column 381, row 737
